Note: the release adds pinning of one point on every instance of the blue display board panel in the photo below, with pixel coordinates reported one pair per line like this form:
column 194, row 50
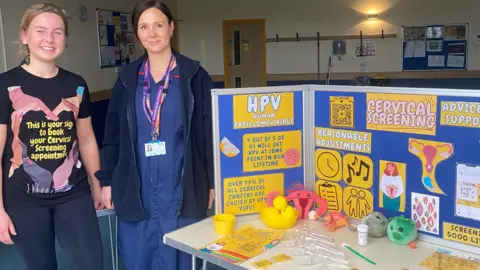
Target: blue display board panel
column 393, row 154
column 253, row 160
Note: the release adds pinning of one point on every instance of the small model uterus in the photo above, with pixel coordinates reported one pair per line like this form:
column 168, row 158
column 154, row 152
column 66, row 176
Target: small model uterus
column 430, row 153
column 305, row 201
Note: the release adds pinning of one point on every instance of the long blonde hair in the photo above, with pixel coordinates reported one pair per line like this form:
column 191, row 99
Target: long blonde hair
column 33, row 12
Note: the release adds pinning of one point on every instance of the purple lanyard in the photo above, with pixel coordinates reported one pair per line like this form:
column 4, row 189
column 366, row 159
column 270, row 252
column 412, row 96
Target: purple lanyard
column 153, row 116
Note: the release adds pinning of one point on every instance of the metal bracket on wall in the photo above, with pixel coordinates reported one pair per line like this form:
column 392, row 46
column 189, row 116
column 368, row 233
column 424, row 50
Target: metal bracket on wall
column 382, row 35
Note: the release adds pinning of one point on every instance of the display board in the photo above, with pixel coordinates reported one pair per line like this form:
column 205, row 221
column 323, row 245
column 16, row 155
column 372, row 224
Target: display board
column 116, row 39
column 435, row 47
column 401, row 153
column 260, row 145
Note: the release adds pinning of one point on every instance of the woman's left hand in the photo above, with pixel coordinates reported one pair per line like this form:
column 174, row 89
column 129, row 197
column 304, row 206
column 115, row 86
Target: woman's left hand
column 97, row 197
column 211, row 196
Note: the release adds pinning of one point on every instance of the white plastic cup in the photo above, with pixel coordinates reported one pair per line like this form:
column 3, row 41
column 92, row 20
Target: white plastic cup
column 362, row 231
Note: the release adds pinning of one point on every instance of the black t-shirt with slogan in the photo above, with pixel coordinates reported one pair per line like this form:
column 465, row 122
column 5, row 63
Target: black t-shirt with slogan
column 41, row 161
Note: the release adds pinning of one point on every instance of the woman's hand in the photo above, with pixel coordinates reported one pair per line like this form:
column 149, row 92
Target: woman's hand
column 97, row 197
column 107, row 197
column 211, row 196
column 6, row 228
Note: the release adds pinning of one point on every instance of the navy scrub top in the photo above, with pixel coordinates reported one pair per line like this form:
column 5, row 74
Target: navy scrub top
column 161, row 174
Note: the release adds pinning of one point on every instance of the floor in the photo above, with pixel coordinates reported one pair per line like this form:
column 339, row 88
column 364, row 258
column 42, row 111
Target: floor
column 10, row 259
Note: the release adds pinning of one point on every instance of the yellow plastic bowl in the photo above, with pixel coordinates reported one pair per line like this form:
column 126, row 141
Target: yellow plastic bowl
column 224, row 223
column 277, row 221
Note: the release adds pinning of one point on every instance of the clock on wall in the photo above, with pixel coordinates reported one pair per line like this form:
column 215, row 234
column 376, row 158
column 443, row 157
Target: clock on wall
column 82, row 13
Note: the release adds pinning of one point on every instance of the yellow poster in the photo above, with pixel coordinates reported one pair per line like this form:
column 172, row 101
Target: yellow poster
column 341, row 111
column 442, row 260
column 357, row 202
column 415, row 114
column 243, row 244
column 244, row 195
column 263, row 110
column 328, row 164
column 272, row 151
column 462, row 234
column 332, row 193
column 460, row 114
column 358, row 170
column 346, row 140
column 392, row 185
column 430, row 153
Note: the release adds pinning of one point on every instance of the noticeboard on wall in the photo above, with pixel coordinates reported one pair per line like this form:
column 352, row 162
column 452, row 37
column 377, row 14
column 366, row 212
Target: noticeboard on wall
column 116, row 39
column 435, row 47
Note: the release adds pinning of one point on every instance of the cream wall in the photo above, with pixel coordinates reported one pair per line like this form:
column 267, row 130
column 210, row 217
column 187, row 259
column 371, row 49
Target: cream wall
column 201, row 30
column 82, row 54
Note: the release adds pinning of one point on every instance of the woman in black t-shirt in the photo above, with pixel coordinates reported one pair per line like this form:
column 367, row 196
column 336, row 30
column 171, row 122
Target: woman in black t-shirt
column 47, row 151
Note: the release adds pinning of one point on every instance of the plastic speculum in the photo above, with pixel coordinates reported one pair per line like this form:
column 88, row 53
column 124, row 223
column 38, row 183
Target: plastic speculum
column 317, row 245
column 328, row 265
column 305, row 230
column 318, row 254
column 312, row 237
column 302, row 242
column 319, row 236
column 324, row 261
column 305, row 236
column 318, row 249
column 302, row 252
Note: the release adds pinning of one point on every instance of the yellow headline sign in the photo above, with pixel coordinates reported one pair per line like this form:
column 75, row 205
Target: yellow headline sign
column 462, row 234
column 415, row 114
column 263, row 110
column 272, row 151
column 348, row 140
column 460, row 114
column 244, row 195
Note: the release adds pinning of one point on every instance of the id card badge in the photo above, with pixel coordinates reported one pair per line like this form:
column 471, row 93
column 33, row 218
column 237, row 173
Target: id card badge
column 155, row 149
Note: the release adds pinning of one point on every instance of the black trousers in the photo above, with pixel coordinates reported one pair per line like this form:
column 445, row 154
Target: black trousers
column 74, row 223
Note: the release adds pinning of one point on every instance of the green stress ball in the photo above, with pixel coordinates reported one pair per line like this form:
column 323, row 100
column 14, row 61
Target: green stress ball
column 402, row 231
column 377, row 224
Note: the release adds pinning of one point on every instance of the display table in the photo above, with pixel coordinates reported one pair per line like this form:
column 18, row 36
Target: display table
column 380, row 250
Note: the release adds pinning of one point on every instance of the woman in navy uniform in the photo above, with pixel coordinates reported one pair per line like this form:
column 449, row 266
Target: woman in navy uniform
column 157, row 156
